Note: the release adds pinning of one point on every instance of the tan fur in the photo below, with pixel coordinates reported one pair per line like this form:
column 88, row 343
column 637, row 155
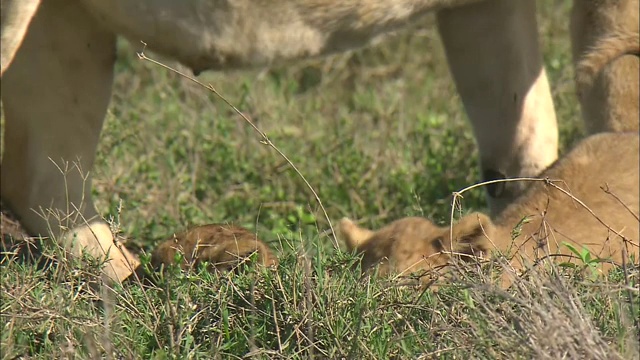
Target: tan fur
column 70, row 47
column 610, row 161
column 224, row 247
column 609, row 91
column 400, row 247
column 605, row 51
column 208, row 35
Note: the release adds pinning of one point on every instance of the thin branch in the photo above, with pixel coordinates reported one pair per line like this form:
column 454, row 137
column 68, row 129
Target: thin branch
column 549, row 182
column 606, row 189
column 624, row 238
column 265, row 139
column 458, row 194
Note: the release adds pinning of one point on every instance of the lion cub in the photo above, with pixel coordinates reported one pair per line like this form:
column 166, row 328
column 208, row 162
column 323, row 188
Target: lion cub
column 606, row 80
column 590, row 200
column 605, row 51
column 223, row 246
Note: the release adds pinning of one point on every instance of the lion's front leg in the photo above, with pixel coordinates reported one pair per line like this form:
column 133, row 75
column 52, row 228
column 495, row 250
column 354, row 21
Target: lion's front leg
column 493, row 53
column 55, row 95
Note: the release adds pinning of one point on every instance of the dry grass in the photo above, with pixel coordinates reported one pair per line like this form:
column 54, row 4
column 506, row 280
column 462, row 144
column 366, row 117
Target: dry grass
column 313, row 306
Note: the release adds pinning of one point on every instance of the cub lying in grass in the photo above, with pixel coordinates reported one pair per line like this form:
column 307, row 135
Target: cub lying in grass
column 594, row 204
column 223, row 246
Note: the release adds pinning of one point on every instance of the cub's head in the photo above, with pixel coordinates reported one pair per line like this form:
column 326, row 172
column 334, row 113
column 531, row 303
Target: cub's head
column 415, row 244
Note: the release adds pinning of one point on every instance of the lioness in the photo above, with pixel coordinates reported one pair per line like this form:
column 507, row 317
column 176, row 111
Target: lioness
column 223, row 246
column 591, row 201
column 57, row 70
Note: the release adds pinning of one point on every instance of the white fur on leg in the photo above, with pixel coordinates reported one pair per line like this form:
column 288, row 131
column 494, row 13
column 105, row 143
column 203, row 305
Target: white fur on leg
column 16, row 16
column 493, row 53
column 97, row 240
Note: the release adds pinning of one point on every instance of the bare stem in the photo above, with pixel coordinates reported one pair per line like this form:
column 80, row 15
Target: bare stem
column 264, row 138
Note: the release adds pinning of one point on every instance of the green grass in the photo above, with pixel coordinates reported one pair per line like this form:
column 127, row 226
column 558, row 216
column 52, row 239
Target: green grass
column 380, row 133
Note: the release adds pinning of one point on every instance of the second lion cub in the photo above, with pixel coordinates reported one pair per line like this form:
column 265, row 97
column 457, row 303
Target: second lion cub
column 590, row 201
column 224, row 247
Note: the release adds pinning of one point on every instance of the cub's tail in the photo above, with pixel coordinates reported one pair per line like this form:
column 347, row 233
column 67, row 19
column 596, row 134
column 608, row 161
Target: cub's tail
column 605, row 51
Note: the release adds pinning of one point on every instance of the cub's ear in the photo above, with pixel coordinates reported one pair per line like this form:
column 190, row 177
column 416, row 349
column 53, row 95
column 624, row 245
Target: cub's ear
column 353, row 235
column 472, row 233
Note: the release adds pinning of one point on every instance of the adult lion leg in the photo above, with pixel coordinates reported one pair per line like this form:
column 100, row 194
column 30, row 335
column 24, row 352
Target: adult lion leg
column 16, row 16
column 493, row 53
column 611, row 102
column 55, row 95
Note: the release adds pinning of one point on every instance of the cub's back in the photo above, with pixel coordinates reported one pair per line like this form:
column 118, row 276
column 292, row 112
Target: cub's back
column 222, row 245
column 603, row 173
